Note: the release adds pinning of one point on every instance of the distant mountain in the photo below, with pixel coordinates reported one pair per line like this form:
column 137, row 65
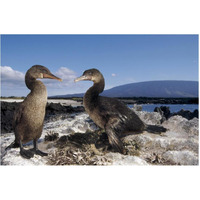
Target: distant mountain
column 150, row 89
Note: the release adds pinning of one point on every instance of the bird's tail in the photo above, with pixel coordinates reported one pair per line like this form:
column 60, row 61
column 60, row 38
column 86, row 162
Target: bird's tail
column 155, row 129
column 115, row 141
column 12, row 145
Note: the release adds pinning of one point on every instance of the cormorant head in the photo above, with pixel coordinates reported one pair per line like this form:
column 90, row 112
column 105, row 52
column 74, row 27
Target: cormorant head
column 39, row 71
column 90, row 75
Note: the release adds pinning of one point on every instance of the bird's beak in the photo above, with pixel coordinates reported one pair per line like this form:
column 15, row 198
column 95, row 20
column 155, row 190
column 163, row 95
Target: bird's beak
column 82, row 78
column 51, row 76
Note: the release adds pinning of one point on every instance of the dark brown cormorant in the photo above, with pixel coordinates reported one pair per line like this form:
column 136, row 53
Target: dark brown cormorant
column 28, row 118
column 111, row 114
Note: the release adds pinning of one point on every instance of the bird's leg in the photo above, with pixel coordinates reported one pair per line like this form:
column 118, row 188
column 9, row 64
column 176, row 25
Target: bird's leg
column 25, row 153
column 36, row 150
column 114, row 140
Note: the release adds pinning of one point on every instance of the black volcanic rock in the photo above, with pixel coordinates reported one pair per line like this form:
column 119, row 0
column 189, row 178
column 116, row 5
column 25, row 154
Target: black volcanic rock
column 57, row 108
column 187, row 114
column 164, row 112
column 7, row 111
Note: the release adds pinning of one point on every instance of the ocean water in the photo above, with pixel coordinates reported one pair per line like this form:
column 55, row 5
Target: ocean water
column 173, row 107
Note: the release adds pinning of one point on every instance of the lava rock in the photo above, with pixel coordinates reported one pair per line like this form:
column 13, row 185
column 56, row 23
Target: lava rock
column 187, row 114
column 164, row 111
column 7, row 112
column 57, row 108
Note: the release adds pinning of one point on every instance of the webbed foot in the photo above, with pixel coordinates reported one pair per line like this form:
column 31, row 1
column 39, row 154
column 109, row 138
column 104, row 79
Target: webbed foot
column 38, row 152
column 26, row 153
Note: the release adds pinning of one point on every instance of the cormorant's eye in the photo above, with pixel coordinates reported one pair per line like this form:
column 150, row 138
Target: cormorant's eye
column 45, row 72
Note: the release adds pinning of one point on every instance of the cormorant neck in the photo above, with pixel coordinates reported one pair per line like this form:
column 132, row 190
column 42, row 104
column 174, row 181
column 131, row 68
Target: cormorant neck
column 35, row 86
column 98, row 87
column 90, row 97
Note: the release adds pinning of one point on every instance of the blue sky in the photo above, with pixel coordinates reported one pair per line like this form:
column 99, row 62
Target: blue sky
column 122, row 59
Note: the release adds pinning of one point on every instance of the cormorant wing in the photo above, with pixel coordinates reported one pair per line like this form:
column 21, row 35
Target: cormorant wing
column 110, row 107
column 18, row 115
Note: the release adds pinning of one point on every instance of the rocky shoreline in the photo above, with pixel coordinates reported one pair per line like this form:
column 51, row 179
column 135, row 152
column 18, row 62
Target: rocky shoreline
column 71, row 138
column 154, row 100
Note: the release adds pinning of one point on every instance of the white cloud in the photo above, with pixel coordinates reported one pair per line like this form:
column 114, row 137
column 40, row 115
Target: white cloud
column 113, row 75
column 8, row 74
column 10, row 77
column 67, row 75
column 13, row 81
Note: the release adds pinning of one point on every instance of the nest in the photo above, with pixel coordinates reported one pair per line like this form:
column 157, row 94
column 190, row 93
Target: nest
column 51, row 136
column 78, row 156
column 80, row 149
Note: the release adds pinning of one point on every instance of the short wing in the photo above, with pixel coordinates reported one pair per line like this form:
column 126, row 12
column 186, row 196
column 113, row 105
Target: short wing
column 113, row 107
column 18, row 115
column 124, row 117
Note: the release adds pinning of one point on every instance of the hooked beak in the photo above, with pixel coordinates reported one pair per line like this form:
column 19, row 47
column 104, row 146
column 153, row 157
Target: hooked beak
column 82, row 78
column 51, row 76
